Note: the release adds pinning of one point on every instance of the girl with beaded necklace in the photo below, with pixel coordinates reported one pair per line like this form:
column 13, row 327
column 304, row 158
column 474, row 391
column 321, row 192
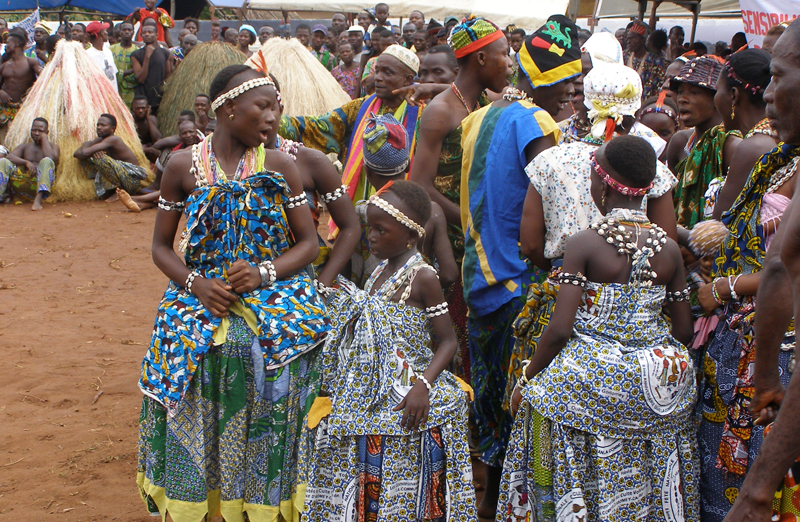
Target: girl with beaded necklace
column 604, row 427
column 392, row 443
column 232, row 367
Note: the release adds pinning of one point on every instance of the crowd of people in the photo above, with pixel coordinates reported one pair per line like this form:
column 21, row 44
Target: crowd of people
column 552, row 255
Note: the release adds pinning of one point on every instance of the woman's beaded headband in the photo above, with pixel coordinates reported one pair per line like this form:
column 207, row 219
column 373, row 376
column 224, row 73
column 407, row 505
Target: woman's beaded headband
column 239, row 90
column 397, row 214
column 616, row 185
column 661, row 110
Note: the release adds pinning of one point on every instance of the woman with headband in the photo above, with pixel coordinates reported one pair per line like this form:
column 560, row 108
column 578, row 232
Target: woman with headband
column 232, row 367
column 605, row 426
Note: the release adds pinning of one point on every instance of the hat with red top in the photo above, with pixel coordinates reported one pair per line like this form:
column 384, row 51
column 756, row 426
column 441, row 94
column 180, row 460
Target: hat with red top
column 639, row 27
column 97, row 27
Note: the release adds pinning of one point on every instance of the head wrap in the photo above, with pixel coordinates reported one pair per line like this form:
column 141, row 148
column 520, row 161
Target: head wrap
column 246, row 27
column 406, row 56
column 551, row 54
column 639, row 27
column 43, row 26
column 703, row 72
column 386, row 145
column 610, row 92
column 603, row 47
column 472, row 34
column 433, row 27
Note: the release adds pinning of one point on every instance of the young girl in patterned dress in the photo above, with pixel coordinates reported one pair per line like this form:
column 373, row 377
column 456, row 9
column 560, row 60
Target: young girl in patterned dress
column 604, row 429
column 394, row 445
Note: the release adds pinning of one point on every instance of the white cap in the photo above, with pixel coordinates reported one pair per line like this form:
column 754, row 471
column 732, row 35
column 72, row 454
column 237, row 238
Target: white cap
column 356, row 28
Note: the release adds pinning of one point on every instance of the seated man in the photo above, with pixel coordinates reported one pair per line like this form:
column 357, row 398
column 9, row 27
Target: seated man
column 187, row 133
column 29, row 171
column 109, row 161
column 165, row 146
column 146, row 126
column 202, row 106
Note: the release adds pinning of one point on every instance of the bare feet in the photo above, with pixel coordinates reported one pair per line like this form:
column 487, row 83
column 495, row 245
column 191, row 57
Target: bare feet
column 37, row 202
column 112, row 198
column 127, row 201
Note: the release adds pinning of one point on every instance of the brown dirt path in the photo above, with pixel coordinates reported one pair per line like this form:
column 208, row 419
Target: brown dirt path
column 78, row 297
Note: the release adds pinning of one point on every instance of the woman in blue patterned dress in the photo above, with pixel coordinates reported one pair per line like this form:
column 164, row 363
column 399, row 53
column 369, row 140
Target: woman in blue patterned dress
column 604, row 428
column 393, row 444
column 231, row 371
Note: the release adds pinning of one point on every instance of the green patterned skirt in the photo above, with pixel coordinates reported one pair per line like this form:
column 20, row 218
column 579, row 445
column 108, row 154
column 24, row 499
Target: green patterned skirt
column 231, row 447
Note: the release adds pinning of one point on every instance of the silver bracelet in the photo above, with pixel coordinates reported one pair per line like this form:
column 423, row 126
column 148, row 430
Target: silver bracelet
column 297, row 201
column 435, row 311
column 268, row 273
column 190, row 280
column 425, row 381
column 523, row 378
column 163, row 204
column 333, row 196
column 732, row 284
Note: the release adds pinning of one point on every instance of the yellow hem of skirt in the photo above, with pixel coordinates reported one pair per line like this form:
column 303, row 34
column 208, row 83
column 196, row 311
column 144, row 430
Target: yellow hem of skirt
column 230, row 510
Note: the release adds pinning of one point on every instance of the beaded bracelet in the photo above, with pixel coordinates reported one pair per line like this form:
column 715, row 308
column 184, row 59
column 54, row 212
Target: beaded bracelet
column 163, row 204
column 322, row 289
column 425, row 381
column 732, row 285
column 578, row 279
column 190, row 280
column 330, row 197
column 677, row 297
column 436, row 311
column 268, row 273
column 297, row 201
column 715, row 293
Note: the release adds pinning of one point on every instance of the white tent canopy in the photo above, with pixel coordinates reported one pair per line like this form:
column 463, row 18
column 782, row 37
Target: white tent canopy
column 529, row 15
column 630, row 8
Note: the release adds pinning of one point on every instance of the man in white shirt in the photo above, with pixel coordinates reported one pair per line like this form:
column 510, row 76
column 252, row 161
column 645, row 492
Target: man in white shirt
column 101, row 54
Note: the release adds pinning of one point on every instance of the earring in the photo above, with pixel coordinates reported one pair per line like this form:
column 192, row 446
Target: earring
column 230, row 116
column 603, row 196
column 733, row 112
column 410, row 245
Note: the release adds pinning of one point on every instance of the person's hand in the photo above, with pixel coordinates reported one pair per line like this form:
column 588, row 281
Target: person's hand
column 4, row 97
column 30, row 166
column 766, row 401
column 243, row 276
column 42, row 55
column 416, row 405
column 215, row 295
column 706, row 297
column 99, row 154
column 516, row 398
column 419, row 92
column 149, row 50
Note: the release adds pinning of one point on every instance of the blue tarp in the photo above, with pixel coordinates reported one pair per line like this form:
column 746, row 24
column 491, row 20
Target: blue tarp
column 119, row 7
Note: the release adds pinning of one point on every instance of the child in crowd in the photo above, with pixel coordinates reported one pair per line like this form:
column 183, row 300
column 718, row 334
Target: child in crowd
column 660, row 114
column 605, row 428
column 392, row 444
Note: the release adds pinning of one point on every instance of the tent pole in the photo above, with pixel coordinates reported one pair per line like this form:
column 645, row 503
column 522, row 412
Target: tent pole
column 172, row 9
column 597, row 5
column 695, row 14
column 642, row 9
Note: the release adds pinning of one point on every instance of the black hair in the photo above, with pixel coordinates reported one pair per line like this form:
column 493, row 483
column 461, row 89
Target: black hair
column 206, row 96
column 149, row 21
column 22, row 40
column 377, row 32
column 302, row 26
column 415, row 198
column 738, row 38
column 518, row 31
column 385, row 33
column 382, row 4
column 78, row 24
column 699, row 48
column 219, row 84
column 445, row 49
column 51, row 41
column 187, row 20
column 43, row 120
column 140, row 97
column 418, row 11
column 187, row 113
column 275, row 81
column 632, row 158
column 187, row 121
column 110, row 118
column 776, row 30
column 659, row 39
column 123, row 23
column 678, row 28
column 652, row 100
column 251, row 36
column 750, row 67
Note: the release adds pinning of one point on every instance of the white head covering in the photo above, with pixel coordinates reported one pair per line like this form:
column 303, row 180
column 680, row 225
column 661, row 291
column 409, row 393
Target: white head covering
column 611, row 91
column 356, row 29
column 406, row 56
column 603, row 47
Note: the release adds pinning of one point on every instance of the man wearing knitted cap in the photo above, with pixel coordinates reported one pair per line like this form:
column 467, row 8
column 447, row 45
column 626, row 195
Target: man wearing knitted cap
column 341, row 130
column 651, row 66
column 498, row 141
column 710, row 145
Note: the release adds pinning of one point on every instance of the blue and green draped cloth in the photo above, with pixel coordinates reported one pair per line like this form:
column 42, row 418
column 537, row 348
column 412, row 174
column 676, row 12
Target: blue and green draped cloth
column 703, row 164
column 232, row 220
column 341, row 132
column 493, row 189
column 743, row 250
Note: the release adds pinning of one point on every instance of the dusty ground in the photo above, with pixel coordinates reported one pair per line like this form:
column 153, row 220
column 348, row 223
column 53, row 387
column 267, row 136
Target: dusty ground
column 77, row 300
